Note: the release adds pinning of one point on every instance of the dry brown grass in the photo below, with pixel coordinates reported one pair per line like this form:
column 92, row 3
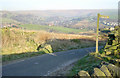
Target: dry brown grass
column 17, row 43
column 23, row 40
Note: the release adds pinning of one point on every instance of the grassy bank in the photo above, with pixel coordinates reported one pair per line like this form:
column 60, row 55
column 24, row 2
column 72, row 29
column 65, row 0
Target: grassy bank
column 17, row 43
column 110, row 54
column 87, row 63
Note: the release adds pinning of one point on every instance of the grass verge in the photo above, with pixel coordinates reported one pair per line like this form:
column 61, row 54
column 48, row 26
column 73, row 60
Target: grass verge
column 86, row 63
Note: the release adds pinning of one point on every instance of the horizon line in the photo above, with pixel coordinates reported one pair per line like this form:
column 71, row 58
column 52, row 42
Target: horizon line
column 57, row 9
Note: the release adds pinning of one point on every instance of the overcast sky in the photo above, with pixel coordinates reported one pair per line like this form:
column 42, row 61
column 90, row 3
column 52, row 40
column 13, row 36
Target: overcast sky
column 57, row 4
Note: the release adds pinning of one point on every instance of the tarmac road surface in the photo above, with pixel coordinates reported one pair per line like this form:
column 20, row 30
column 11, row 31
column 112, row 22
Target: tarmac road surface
column 43, row 65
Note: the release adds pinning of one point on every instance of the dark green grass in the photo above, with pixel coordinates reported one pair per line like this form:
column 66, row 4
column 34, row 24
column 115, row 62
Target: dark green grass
column 87, row 63
column 6, row 58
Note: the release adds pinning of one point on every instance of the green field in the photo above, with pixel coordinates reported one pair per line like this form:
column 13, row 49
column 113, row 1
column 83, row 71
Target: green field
column 52, row 28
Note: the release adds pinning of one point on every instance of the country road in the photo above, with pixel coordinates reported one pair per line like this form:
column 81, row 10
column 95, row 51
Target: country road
column 43, row 65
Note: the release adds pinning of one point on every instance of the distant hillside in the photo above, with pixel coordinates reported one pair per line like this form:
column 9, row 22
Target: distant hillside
column 64, row 18
column 7, row 20
column 68, row 13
